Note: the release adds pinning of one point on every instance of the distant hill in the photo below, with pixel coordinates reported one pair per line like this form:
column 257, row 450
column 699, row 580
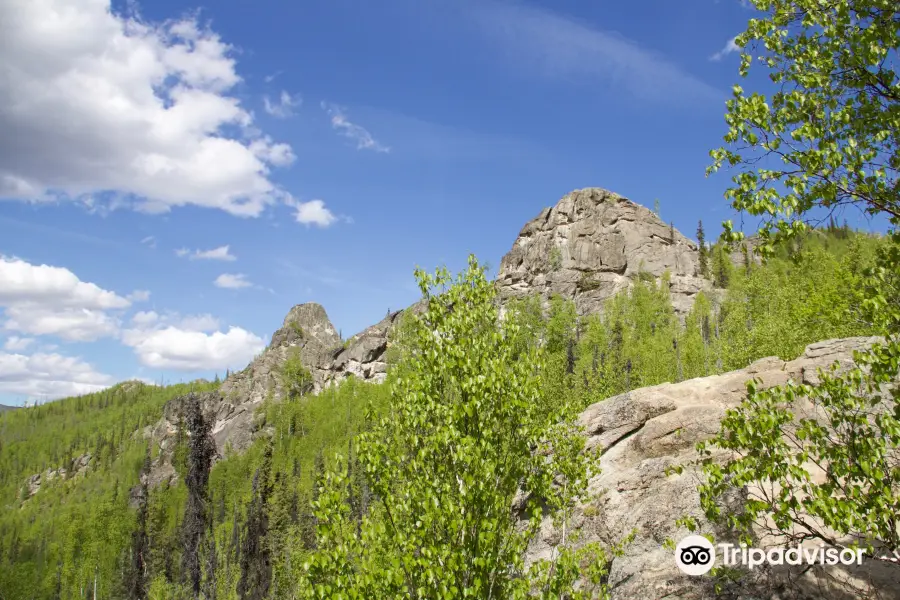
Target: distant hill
column 4, row 408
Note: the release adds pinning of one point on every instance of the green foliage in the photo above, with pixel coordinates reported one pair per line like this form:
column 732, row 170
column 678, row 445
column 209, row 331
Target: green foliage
column 78, row 525
column 722, row 268
column 587, row 282
column 829, row 473
column 296, row 380
column 853, row 433
column 446, row 461
column 831, row 134
column 703, row 250
column 555, row 258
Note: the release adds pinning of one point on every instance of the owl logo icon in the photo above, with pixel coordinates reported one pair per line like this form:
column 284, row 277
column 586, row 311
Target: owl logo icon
column 695, row 555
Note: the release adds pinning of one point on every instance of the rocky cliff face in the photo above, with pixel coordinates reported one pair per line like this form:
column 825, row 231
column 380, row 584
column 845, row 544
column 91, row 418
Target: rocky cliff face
column 588, row 247
column 643, row 432
column 307, row 331
column 592, row 245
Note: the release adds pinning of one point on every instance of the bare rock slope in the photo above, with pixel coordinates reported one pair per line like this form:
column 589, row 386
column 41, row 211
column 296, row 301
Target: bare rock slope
column 592, row 245
column 587, row 247
column 643, row 432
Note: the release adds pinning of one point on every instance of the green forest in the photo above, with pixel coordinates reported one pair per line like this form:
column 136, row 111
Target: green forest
column 433, row 483
column 78, row 534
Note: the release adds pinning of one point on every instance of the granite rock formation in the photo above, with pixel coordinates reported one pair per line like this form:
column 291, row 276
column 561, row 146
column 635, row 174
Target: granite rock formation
column 592, row 245
column 588, row 247
column 643, row 432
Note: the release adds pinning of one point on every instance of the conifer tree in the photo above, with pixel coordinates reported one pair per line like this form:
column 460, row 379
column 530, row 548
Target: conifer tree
column 704, row 251
column 201, row 451
column 256, row 566
column 136, row 576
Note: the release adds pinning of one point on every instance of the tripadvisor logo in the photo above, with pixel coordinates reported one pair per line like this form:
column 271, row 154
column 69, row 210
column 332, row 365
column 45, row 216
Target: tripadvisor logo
column 696, row 555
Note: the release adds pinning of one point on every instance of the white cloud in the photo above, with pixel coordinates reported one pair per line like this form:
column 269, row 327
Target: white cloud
column 544, row 43
column 220, row 253
column 232, row 281
column 22, row 282
column 98, row 102
column 145, row 318
column 363, row 139
column 284, row 107
column 730, row 46
column 176, row 348
column 72, row 324
column 138, row 296
column 46, row 300
column 313, row 213
column 199, row 323
column 149, row 241
column 48, row 376
column 17, row 344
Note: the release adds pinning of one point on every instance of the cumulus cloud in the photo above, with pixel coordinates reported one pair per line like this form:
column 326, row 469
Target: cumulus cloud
column 313, row 212
column 284, row 106
column 17, row 344
column 193, row 343
column 48, row 376
column 72, row 324
column 730, row 46
column 98, row 103
column 220, row 253
column 47, row 300
column 145, row 318
column 232, row 281
column 357, row 133
column 138, row 296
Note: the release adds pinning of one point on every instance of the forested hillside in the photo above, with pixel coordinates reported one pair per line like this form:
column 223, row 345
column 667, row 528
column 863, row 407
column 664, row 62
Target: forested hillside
column 87, row 524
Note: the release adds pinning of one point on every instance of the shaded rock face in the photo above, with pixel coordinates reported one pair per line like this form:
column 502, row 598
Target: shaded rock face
column 231, row 410
column 643, row 432
column 588, row 247
column 592, row 245
column 306, row 330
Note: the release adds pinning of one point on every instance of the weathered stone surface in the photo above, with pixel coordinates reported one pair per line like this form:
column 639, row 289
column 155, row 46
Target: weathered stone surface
column 232, row 409
column 647, row 430
column 591, row 245
column 79, row 466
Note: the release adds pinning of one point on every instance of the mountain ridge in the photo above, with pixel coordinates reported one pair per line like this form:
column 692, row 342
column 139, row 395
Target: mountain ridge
column 598, row 234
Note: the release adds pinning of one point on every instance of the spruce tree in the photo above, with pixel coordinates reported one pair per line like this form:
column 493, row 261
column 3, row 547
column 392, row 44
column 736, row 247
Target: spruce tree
column 201, row 450
column 256, row 565
column 704, row 251
column 136, row 576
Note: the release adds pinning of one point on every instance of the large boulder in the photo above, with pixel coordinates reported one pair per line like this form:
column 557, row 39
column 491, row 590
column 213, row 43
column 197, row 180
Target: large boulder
column 643, row 432
column 592, row 245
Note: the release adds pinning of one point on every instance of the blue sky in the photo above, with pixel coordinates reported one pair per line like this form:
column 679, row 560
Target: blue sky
column 330, row 146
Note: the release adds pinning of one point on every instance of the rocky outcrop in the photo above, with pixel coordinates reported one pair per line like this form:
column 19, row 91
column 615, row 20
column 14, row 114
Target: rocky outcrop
column 588, row 247
column 307, row 331
column 77, row 467
column 643, row 432
column 592, row 245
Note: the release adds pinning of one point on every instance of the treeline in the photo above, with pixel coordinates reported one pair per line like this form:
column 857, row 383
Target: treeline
column 74, row 531
column 252, row 526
